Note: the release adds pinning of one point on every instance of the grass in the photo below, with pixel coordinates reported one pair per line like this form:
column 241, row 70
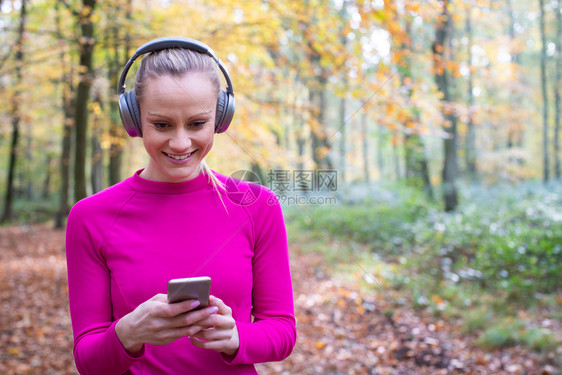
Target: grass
column 510, row 331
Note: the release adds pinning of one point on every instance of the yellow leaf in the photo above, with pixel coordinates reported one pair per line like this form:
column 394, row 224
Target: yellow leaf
column 435, row 298
column 320, row 344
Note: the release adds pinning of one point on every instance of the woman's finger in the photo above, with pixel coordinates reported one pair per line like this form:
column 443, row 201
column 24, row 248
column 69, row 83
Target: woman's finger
column 213, row 334
column 223, row 308
column 217, row 345
column 201, row 318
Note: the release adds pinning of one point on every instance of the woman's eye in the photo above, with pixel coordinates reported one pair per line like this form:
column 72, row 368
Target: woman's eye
column 198, row 124
column 160, row 125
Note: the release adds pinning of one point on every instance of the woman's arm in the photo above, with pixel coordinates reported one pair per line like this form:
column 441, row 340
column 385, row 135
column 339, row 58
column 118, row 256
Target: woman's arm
column 103, row 346
column 97, row 348
column 272, row 334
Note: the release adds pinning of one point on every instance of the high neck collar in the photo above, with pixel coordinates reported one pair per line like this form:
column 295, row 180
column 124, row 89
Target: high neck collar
column 155, row 187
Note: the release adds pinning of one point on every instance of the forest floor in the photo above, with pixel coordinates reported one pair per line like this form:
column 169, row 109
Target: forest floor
column 342, row 329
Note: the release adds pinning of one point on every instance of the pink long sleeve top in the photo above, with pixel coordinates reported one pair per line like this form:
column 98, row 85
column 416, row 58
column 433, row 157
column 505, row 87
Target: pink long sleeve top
column 125, row 243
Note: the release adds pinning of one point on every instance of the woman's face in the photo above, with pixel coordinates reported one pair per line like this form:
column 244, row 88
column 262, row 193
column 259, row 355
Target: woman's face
column 178, row 122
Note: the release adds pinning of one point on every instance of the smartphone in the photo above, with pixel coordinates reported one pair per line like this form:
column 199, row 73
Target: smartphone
column 190, row 288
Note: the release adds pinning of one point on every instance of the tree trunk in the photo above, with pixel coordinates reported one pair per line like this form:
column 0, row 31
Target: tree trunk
column 439, row 47
column 68, row 109
column 115, row 127
column 341, row 123
column 258, row 171
column 320, row 143
column 516, row 130
column 97, row 162
column 546, row 156
column 395, row 156
column 380, row 154
column 47, row 180
column 29, row 189
column 317, row 83
column 68, row 115
column 116, row 131
column 299, row 132
column 365, row 146
column 15, row 114
column 86, row 77
column 416, row 164
column 343, row 139
column 470, row 141
column 557, row 88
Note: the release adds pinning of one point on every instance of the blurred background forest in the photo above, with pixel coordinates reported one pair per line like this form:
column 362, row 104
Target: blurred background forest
column 440, row 119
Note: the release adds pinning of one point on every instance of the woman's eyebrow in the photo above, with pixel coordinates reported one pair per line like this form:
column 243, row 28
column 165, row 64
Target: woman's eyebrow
column 159, row 115
column 206, row 113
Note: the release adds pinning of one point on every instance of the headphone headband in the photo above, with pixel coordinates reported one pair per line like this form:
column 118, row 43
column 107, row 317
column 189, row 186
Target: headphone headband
column 128, row 106
column 174, row 42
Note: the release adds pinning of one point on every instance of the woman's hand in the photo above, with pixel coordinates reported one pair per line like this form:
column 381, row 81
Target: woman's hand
column 219, row 331
column 158, row 323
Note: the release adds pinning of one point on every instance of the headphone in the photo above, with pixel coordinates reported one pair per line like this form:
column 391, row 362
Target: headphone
column 129, row 107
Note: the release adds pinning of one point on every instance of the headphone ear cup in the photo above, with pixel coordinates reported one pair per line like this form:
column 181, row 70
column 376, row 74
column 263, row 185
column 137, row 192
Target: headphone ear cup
column 220, row 111
column 225, row 111
column 130, row 113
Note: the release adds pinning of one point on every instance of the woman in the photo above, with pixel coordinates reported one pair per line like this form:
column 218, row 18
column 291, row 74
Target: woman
column 175, row 219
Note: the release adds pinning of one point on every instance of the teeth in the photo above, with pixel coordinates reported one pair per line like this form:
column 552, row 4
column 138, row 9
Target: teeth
column 180, row 157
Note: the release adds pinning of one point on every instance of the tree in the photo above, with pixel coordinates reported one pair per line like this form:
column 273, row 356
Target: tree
column 15, row 113
column 68, row 116
column 470, row 141
column 546, row 156
column 442, row 78
column 557, row 88
column 516, row 130
column 96, row 168
column 86, row 43
column 343, row 99
column 117, row 44
column 416, row 164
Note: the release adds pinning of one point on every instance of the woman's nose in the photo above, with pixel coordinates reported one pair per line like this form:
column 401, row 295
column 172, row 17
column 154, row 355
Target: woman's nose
column 181, row 140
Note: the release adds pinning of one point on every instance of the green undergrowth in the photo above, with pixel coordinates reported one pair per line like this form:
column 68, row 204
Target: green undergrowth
column 33, row 212
column 498, row 255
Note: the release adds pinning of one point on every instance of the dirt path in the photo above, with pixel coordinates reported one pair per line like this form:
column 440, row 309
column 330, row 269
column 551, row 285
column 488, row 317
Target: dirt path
column 341, row 330
column 344, row 331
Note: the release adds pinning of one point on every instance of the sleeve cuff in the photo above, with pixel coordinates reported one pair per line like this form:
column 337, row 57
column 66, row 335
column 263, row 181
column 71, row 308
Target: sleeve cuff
column 118, row 343
column 237, row 358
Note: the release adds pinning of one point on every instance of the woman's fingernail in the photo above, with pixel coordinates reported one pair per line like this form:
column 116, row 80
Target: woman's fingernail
column 194, row 304
column 213, row 309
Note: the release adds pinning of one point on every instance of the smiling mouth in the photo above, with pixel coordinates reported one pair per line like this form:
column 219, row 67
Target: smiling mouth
column 179, row 156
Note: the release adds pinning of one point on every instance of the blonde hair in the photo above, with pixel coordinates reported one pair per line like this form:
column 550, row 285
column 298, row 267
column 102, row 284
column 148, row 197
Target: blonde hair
column 176, row 62
column 217, row 184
